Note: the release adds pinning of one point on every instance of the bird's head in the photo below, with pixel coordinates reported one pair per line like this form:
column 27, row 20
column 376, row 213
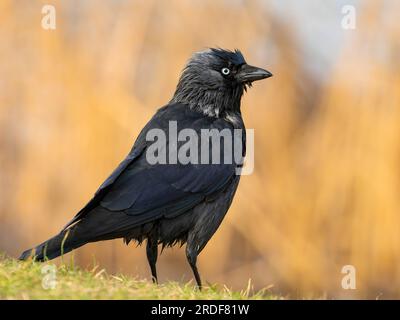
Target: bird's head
column 213, row 81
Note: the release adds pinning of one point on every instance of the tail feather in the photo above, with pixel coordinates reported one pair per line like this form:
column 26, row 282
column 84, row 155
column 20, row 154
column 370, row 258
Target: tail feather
column 58, row 245
column 99, row 224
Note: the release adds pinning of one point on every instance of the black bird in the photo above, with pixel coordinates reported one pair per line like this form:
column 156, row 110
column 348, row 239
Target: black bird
column 169, row 203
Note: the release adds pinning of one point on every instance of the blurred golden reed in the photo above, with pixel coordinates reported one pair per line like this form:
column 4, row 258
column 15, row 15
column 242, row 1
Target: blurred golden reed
column 326, row 188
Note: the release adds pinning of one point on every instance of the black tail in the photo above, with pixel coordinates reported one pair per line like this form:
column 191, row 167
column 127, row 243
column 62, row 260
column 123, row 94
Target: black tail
column 64, row 242
column 99, row 224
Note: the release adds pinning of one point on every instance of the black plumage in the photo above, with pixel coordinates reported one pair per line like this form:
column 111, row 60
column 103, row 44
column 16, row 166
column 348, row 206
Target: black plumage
column 173, row 202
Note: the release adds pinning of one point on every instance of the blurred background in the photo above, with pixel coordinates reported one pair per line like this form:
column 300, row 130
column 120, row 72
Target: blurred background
column 326, row 187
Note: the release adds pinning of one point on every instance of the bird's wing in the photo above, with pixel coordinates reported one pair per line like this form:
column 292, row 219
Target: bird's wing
column 106, row 185
column 148, row 191
column 136, row 151
column 165, row 189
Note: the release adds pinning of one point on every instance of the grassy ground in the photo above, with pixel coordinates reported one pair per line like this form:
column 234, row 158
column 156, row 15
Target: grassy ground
column 32, row 280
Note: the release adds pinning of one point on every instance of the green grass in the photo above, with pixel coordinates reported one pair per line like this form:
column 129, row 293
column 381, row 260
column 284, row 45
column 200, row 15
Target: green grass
column 24, row 280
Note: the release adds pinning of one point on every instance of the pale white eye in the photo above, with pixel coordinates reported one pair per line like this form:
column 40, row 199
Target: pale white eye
column 225, row 71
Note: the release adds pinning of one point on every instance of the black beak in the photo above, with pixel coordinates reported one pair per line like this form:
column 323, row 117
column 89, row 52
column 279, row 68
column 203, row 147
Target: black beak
column 249, row 74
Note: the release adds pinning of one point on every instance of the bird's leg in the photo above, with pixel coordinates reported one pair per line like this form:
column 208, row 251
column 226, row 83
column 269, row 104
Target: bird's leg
column 152, row 253
column 191, row 255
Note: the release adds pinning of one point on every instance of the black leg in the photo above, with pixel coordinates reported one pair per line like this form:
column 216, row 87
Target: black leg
column 152, row 253
column 191, row 255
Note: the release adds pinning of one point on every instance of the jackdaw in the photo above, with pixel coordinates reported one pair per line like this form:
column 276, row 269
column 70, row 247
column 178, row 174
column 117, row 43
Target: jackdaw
column 168, row 201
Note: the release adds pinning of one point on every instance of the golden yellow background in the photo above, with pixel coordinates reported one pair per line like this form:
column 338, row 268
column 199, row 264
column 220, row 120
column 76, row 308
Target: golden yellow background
column 326, row 187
